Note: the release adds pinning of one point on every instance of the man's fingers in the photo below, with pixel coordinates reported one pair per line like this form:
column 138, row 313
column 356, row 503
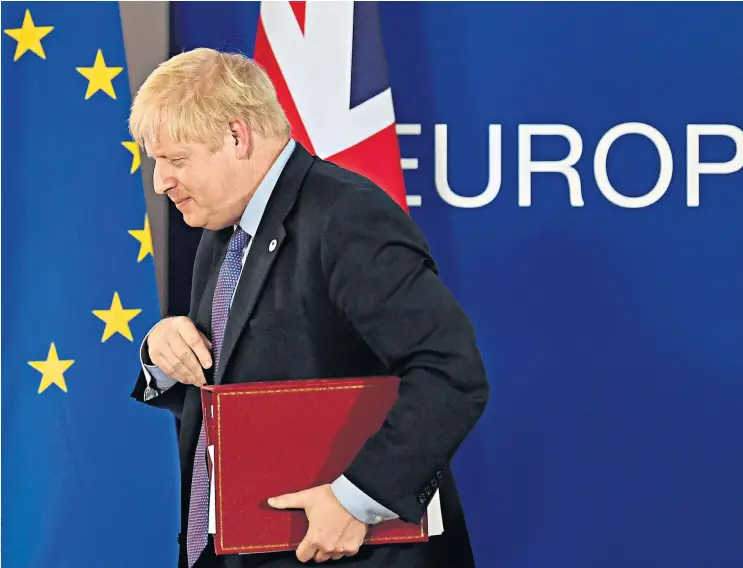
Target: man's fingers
column 347, row 550
column 208, row 344
column 188, row 363
column 166, row 360
column 178, row 348
column 351, row 550
column 306, row 550
column 321, row 556
column 308, row 547
column 197, row 343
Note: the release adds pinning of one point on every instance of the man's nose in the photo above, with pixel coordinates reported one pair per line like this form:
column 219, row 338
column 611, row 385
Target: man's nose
column 162, row 182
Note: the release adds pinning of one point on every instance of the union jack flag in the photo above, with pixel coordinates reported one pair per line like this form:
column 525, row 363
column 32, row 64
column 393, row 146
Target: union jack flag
column 328, row 64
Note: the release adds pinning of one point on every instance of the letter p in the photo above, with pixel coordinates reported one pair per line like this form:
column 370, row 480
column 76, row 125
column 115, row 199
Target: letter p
column 694, row 168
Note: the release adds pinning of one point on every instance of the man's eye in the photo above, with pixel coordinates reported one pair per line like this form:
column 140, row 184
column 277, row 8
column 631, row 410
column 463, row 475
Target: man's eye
column 177, row 161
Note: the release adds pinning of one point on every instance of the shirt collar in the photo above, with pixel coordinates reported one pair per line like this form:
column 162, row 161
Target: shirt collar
column 253, row 213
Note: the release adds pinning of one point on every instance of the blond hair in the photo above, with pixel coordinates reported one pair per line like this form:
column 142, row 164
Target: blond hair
column 195, row 94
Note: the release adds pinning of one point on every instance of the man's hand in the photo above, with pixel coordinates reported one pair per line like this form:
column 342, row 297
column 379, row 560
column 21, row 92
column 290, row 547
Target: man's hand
column 333, row 531
column 180, row 350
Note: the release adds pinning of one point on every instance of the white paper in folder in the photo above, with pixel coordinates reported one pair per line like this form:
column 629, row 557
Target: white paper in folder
column 435, row 520
column 212, row 493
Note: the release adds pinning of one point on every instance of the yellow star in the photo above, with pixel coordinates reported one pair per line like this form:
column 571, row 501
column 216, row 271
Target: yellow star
column 117, row 319
column 133, row 147
column 29, row 37
column 100, row 77
column 144, row 236
column 52, row 370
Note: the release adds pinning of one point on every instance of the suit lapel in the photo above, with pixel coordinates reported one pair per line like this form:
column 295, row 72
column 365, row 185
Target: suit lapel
column 264, row 250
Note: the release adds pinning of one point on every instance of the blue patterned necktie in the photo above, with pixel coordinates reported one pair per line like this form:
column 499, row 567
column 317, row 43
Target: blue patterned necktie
column 198, row 511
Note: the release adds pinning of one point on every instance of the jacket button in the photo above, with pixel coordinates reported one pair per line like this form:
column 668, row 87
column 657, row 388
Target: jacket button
column 439, row 474
column 429, row 491
column 421, row 499
column 434, row 483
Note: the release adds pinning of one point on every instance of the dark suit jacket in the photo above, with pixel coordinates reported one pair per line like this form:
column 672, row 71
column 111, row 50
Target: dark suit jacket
column 350, row 290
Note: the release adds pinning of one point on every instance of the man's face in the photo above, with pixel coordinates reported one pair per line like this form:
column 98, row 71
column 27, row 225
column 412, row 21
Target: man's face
column 202, row 184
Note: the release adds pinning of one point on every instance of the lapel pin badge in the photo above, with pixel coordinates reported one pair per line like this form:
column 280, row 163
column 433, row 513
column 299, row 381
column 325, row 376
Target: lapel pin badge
column 272, row 246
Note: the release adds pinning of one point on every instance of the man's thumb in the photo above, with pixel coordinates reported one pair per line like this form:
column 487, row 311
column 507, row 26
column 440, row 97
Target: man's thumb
column 287, row 501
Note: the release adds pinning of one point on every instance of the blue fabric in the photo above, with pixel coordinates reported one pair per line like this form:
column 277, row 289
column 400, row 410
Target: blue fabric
column 89, row 476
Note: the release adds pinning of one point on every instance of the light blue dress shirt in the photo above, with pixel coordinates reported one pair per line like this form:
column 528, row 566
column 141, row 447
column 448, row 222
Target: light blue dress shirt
column 356, row 502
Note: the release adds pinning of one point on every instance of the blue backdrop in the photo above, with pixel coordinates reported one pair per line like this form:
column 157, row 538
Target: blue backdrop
column 612, row 336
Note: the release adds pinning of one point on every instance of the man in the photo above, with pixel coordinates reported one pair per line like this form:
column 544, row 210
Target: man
column 304, row 270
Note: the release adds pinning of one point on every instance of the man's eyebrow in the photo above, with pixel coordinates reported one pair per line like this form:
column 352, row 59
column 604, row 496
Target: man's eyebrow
column 169, row 156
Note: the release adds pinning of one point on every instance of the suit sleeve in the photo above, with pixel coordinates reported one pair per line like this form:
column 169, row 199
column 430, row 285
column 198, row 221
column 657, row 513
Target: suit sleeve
column 171, row 399
column 382, row 277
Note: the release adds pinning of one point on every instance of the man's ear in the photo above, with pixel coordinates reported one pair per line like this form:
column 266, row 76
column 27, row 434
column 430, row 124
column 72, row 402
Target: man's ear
column 241, row 138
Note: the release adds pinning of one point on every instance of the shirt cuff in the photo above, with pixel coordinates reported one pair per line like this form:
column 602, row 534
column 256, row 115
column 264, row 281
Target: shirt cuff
column 359, row 504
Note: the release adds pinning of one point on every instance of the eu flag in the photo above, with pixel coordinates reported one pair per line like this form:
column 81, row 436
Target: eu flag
column 89, row 477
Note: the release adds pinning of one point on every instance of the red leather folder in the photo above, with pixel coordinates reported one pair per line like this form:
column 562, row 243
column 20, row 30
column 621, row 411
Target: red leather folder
column 273, row 438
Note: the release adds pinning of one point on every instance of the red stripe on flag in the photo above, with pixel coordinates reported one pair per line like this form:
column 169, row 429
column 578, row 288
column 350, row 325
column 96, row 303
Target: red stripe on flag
column 377, row 158
column 299, row 8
